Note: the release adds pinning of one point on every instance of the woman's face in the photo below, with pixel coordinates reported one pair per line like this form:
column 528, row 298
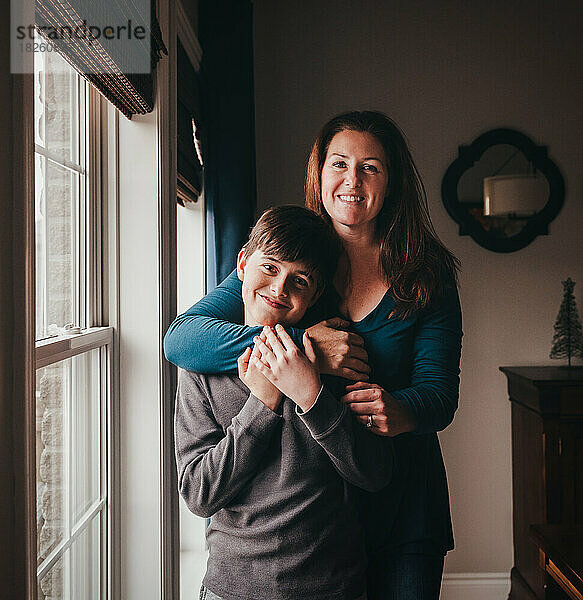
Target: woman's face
column 354, row 180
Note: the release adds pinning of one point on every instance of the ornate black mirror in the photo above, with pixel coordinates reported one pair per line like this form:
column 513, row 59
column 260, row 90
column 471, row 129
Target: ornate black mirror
column 503, row 190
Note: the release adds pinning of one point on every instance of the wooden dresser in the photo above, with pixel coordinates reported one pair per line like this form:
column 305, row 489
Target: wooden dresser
column 561, row 557
column 547, row 463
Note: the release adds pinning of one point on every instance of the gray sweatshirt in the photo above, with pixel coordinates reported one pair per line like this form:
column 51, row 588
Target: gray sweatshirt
column 278, row 485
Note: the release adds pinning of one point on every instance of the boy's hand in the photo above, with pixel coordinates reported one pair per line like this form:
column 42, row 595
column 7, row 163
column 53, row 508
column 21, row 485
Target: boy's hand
column 293, row 372
column 258, row 385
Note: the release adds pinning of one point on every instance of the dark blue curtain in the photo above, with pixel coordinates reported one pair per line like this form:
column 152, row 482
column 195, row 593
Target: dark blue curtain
column 226, row 37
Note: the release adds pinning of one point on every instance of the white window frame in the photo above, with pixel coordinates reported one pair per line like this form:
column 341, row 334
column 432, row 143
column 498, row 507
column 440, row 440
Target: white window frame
column 96, row 306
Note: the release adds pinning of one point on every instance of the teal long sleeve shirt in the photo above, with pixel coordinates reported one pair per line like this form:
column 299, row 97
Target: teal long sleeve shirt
column 415, row 359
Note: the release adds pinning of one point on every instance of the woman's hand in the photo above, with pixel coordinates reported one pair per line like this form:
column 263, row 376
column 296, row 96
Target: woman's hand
column 388, row 417
column 291, row 371
column 258, row 385
column 339, row 352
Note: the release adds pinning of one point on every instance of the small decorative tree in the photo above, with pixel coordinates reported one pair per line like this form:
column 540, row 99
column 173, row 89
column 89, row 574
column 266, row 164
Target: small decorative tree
column 568, row 337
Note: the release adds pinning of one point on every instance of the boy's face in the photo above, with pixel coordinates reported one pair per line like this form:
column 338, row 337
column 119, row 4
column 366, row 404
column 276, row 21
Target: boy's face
column 274, row 291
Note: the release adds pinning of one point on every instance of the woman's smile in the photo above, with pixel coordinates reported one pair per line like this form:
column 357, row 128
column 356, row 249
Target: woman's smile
column 354, row 179
column 350, row 198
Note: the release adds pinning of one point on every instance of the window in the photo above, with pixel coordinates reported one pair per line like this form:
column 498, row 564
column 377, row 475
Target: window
column 73, row 376
column 60, row 193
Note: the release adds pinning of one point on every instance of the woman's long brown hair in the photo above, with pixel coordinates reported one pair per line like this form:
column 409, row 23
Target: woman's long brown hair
column 416, row 264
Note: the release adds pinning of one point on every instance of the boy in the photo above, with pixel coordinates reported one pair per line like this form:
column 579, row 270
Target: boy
column 273, row 465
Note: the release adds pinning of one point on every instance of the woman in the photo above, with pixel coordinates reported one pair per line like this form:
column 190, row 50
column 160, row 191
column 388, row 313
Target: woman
column 396, row 288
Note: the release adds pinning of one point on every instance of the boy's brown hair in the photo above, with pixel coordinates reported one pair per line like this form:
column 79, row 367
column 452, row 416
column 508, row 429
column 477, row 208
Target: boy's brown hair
column 296, row 234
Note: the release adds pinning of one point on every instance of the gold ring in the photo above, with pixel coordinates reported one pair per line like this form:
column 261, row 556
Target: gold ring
column 369, row 423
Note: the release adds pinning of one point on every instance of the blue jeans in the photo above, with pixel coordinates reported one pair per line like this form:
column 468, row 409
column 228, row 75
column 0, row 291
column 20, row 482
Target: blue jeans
column 405, row 577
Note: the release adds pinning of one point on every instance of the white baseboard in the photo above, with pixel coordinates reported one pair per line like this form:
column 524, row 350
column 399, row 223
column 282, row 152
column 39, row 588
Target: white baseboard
column 475, row 586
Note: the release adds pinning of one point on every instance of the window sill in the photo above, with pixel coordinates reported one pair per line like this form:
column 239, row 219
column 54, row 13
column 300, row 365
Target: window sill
column 55, row 349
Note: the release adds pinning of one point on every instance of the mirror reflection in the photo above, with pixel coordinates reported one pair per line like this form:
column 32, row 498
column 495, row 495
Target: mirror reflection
column 502, row 190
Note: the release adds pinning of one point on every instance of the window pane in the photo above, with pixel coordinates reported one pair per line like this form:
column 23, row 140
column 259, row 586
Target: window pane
column 57, row 192
column 55, row 585
column 68, row 446
column 76, row 575
column 40, row 211
column 86, row 563
column 52, row 399
column 58, row 104
column 85, row 433
column 60, row 184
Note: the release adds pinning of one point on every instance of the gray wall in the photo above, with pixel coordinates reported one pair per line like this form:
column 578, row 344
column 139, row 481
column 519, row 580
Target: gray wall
column 446, row 72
